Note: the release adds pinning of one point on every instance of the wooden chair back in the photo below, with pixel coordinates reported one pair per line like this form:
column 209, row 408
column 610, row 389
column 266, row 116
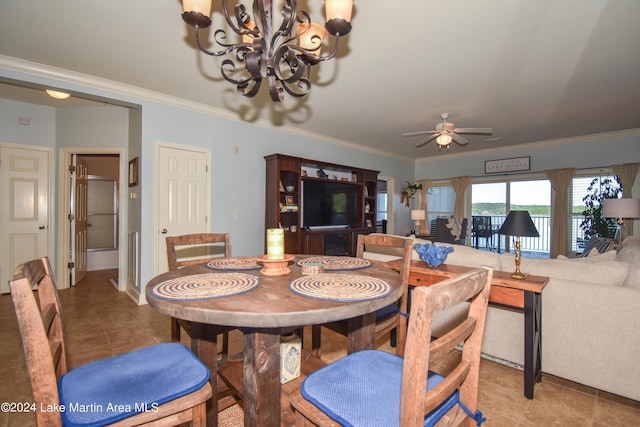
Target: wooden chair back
column 404, row 247
column 41, row 331
column 198, row 248
column 388, row 245
column 415, row 404
column 190, row 249
column 42, row 334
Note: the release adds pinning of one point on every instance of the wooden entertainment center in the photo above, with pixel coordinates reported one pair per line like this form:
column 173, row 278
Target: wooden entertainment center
column 284, row 204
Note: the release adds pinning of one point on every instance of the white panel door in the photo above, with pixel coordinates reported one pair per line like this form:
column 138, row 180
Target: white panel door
column 182, row 177
column 24, row 221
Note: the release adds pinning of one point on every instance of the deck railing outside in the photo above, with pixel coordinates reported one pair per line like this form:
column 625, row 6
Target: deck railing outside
column 530, row 244
column 540, row 244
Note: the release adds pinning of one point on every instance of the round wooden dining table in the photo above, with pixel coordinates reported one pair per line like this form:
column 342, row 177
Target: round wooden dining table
column 266, row 306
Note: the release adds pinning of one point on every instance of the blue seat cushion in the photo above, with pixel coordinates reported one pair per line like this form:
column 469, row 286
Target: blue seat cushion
column 363, row 389
column 387, row 311
column 108, row 390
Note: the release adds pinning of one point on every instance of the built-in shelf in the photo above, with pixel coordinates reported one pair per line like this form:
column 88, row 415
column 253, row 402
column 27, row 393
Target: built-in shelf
column 283, row 203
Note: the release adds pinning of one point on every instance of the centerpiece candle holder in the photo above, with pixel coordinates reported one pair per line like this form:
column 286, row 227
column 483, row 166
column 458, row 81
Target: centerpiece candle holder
column 275, row 262
column 275, row 267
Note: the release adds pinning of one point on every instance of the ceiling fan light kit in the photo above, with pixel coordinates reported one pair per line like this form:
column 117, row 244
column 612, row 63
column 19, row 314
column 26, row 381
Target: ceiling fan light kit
column 446, row 132
column 444, row 140
column 283, row 56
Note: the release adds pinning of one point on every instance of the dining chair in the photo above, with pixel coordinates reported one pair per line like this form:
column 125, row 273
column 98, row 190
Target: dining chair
column 191, row 249
column 482, row 228
column 162, row 384
column 375, row 387
column 199, row 248
column 390, row 319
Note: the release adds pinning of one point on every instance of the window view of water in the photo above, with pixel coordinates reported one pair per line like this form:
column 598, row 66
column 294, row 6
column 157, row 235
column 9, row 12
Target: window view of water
column 491, row 199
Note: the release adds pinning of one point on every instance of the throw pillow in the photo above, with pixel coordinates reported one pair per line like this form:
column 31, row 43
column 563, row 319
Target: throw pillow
column 600, row 244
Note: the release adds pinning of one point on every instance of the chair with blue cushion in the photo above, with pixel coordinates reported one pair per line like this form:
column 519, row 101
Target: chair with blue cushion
column 376, row 388
column 163, row 384
column 390, row 319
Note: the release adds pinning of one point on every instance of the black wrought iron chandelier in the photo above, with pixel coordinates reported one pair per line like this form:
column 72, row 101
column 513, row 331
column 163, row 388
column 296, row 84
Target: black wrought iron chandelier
column 282, row 56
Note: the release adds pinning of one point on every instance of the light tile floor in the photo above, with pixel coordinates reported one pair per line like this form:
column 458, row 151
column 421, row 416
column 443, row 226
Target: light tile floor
column 100, row 322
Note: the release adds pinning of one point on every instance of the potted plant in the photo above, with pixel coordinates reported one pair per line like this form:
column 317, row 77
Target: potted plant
column 594, row 223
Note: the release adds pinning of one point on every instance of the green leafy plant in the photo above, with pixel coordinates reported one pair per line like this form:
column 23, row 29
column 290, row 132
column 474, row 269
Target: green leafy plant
column 594, row 223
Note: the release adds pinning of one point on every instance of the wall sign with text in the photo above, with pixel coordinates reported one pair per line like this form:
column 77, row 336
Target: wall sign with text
column 507, row 165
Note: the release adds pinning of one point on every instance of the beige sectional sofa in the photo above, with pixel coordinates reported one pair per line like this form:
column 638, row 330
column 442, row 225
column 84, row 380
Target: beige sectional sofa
column 590, row 315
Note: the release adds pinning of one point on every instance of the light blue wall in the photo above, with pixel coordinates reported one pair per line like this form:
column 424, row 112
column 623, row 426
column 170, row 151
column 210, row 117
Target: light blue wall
column 237, row 181
column 596, row 152
column 40, row 131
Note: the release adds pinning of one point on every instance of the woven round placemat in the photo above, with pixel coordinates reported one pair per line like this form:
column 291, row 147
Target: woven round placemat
column 340, row 287
column 206, row 286
column 235, row 263
column 336, row 263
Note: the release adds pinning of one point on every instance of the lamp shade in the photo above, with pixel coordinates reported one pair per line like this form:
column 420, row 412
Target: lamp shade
column 338, row 9
column 519, row 223
column 311, row 36
column 621, row 208
column 417, row 215
column 201, row 6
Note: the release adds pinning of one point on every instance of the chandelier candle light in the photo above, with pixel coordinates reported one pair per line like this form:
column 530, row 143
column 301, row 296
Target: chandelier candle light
column 282, row 55
column 518, row 224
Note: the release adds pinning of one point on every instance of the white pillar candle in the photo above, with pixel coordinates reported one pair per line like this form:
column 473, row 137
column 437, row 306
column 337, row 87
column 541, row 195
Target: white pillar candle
column 275, row 243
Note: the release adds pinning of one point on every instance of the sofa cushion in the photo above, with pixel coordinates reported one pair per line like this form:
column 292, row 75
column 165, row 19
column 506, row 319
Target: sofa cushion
column 611, row 273
column 630, row 255
column 384, row 253
column 594, row 256
column 629, row 241
column 469, row 257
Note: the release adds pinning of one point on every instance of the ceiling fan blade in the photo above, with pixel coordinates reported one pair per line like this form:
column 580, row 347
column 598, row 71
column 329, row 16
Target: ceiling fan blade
column 424, row 132
column 481, row 131
column 458, row 139
column 429, row 139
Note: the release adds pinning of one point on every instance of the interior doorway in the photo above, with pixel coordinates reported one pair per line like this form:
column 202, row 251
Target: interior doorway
column 107, row 188
column 384, row 205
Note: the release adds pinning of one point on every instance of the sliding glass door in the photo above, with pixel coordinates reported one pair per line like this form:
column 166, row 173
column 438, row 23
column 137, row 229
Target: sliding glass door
column 492, row 201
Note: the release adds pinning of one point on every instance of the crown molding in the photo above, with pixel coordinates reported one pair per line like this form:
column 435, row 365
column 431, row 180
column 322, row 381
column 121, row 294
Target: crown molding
column 131, row 93
column 538, row 144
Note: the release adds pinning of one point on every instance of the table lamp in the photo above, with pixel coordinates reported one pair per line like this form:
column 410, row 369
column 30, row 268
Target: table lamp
column 518, row 224
column 417, row 215
column 621, row 209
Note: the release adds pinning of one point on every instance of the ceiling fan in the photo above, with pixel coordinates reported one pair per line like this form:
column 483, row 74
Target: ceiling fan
column 446, row 132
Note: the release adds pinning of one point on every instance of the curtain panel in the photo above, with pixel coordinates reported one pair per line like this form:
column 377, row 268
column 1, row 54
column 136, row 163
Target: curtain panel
column 560, row 181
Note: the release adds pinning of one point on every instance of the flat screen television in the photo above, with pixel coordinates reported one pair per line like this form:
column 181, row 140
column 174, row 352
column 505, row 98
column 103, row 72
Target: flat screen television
column 327, row 204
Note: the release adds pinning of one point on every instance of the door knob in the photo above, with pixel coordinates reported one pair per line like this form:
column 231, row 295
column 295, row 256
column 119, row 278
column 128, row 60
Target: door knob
column 41, row 227
column 164, row 231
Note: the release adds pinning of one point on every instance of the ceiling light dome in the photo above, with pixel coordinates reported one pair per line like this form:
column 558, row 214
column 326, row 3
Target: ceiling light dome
column 444, row 140
column 57, row 95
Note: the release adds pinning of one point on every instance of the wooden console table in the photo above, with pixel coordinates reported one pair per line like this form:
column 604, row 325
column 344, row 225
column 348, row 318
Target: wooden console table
column 523, row 295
